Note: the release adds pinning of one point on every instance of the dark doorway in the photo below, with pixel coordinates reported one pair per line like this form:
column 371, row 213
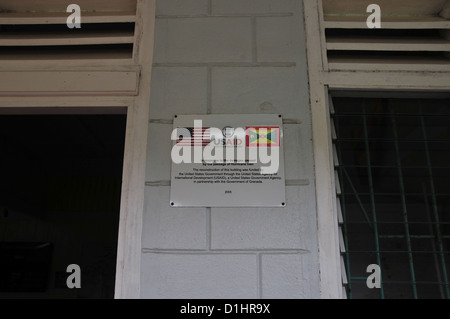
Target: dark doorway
column 60, row 186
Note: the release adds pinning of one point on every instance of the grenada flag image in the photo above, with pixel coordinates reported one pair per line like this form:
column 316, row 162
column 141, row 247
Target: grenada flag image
column 263, row 136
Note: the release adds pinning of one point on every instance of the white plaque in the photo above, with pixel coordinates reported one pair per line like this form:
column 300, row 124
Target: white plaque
column 227, row 161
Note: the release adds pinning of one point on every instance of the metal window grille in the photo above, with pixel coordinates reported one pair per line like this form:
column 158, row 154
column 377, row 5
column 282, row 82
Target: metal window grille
column 392, row 158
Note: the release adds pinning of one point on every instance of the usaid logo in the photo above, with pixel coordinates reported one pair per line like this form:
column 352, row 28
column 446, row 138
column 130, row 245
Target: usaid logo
column 228, row 132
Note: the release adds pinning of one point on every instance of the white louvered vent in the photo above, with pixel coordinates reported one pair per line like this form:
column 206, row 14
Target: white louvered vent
column 35, row 32
column 415, row 35
column 337, row 183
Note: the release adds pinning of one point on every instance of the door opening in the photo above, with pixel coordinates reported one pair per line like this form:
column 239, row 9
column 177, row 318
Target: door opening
column 60, row 188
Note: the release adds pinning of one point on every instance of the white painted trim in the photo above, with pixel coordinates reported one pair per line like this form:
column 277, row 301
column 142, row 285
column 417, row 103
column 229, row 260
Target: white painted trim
column 133, row 185
column 128, row 271
column 360, row 22
column 62, row 110
column 43, row 6
column 434, row 79
column 52, row 101
column 343, row 64
column 355, row 43
column 426, row 81
column 61, row 18
column 58, row 39
column 323, row 38
column 329, row 257
column 69, row 82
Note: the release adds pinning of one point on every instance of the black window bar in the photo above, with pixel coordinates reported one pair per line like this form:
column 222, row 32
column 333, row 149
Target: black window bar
column 394, row 174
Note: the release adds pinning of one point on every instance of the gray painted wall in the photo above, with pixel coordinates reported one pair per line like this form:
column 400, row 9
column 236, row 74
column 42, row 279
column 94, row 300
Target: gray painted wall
column 219, row 57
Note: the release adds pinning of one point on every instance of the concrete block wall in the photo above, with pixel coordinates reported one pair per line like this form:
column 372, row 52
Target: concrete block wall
column 230, row 57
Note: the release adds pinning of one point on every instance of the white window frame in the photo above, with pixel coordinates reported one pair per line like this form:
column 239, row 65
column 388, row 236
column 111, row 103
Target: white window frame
column 104, row 92
column 322, row 80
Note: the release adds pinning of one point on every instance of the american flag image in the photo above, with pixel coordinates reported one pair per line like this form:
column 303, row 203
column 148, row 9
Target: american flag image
column 193, row 136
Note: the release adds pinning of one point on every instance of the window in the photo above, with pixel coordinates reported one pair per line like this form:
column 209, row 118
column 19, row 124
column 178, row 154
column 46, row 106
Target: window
column 392, row 157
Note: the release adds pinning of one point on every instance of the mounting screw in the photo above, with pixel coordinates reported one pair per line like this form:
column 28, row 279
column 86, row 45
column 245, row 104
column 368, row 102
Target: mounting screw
column 283, row 204
column 172, row 204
